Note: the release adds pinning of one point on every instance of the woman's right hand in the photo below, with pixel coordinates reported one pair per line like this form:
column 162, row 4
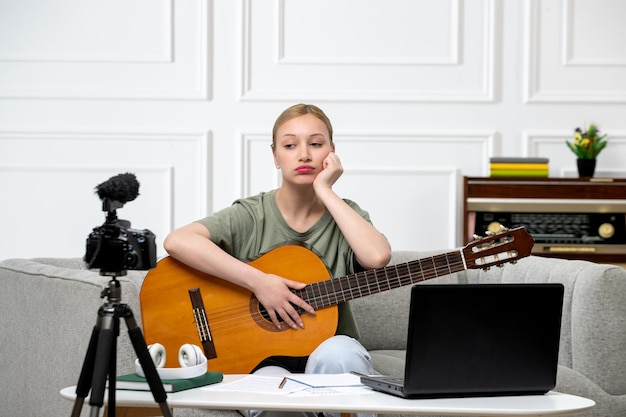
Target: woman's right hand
column 274, row 293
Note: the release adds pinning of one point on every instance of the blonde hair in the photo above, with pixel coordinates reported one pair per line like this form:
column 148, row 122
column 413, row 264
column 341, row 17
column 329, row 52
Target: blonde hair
column 300, row 110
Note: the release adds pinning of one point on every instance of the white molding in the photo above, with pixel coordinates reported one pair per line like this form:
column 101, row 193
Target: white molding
column 485, row 93
column 487, row 139
column 568, row 43
column 66, row 210
column 165, row 56
column 104, row 133
column 570, row 96
column 202, row 141
column 196, row 66
column 531, row 41
column 245, row 44
column 453, row 59
column 452, row 224
column 533, row 92
column 247, row 171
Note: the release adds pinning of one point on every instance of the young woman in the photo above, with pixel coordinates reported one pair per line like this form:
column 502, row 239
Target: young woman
column 305, row 209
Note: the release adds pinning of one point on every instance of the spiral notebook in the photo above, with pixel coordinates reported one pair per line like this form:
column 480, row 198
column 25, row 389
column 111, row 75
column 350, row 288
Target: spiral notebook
column 479, row 340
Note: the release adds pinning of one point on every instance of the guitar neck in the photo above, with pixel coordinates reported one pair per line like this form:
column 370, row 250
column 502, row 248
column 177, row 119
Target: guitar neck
column 334, row 291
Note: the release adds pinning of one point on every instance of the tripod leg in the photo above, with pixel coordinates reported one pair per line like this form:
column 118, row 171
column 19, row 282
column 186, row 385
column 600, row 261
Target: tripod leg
column 101, row 366
column 152, row 376
column 86, row 373
column 113, row 368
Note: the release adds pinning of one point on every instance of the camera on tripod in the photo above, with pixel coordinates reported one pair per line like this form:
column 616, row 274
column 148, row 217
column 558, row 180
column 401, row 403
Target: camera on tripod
column 114, row 247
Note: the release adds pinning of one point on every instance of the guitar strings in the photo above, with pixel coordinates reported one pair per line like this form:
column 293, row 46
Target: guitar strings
column 237, row 316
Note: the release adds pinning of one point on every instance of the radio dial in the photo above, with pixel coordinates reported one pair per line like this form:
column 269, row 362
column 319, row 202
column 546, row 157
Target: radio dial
column 606, row 230
column 494, row 227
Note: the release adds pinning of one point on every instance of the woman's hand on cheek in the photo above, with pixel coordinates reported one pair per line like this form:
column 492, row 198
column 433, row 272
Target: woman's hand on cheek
column 331, row 171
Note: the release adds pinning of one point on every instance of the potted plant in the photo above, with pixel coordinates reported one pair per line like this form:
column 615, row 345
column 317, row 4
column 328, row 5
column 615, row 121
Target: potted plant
column 587, row 145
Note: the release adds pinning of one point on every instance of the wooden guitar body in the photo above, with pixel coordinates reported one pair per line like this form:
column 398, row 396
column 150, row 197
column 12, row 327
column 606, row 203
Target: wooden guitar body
column 242, row 336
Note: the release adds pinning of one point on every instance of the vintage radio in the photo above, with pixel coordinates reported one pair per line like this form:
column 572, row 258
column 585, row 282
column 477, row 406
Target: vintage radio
column 569, row 218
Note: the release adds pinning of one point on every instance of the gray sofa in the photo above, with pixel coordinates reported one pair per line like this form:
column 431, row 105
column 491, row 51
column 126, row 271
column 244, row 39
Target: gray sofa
column 49, row 307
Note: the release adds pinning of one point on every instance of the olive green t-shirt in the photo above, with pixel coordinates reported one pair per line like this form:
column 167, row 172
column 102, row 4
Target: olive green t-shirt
column 254, row 226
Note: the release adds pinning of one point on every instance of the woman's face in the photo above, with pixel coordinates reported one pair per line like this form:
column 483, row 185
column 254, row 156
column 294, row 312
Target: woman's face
column 302, row 145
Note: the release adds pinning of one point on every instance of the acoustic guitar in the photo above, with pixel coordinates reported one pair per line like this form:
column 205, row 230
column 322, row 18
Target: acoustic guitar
column 238, row 326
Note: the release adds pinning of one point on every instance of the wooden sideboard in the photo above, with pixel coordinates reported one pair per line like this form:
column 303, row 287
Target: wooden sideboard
column 600, row 202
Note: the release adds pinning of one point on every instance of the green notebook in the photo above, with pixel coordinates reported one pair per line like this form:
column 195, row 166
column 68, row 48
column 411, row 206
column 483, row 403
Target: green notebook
column 139, row 383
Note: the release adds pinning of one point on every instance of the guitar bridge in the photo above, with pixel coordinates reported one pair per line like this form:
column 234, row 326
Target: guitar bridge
column 202, row 323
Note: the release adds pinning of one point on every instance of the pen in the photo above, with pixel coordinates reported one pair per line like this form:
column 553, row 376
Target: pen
column 282, row 383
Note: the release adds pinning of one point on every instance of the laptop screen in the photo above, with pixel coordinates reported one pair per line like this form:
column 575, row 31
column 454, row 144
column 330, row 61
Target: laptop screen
column 483, row 339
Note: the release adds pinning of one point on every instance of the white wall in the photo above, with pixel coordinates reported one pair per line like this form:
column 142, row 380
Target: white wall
column 184, row 93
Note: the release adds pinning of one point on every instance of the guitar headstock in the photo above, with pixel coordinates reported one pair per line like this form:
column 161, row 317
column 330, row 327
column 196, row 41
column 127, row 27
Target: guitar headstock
column 498, row 248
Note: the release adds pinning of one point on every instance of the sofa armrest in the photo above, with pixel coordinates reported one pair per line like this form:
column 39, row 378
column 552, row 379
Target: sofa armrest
column 599, row 326
column 47, row 314
column 593, row 333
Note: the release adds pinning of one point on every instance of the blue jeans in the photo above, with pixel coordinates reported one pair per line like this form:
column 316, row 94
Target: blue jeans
column 336, row 355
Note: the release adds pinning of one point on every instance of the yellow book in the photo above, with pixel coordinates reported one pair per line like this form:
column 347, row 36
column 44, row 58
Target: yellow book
column 515, row 166
column 519, row 172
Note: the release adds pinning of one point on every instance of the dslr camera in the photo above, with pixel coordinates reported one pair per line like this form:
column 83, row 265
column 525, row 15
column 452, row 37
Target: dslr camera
column 114, row 247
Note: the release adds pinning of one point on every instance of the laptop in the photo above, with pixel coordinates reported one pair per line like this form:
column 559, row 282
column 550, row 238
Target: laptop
column 473, row 340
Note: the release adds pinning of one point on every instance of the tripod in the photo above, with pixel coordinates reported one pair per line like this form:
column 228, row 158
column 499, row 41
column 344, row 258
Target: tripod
column 101, row 359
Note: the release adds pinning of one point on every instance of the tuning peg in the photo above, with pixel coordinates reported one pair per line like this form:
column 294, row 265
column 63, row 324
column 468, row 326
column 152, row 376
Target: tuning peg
column 475, row 237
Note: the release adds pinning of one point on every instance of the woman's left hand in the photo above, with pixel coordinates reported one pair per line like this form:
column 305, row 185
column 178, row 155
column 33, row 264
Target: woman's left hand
column 331, row 171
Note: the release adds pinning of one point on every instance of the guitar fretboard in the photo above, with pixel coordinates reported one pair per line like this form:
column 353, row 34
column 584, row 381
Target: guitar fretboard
column 334, row 291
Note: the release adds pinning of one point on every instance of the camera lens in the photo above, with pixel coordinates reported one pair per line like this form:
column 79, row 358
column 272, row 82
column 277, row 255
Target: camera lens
column 130, row 259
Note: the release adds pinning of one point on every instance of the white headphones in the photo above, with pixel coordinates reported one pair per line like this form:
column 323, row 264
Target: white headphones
column 188, row 355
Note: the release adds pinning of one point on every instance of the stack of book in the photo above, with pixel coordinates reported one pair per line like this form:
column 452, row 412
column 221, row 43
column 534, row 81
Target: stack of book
column 518, row 167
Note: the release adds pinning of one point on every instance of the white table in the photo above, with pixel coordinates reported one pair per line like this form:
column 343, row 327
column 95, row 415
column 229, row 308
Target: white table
column 358, row 400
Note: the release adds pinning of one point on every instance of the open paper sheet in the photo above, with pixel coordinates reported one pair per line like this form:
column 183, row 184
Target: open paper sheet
column 292, row 383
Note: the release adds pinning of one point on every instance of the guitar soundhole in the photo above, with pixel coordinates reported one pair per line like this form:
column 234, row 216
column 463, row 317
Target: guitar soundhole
column 262, row 317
